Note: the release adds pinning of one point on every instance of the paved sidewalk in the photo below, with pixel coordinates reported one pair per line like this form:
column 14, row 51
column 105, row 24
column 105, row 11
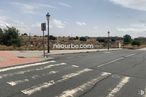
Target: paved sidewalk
column 8, row 58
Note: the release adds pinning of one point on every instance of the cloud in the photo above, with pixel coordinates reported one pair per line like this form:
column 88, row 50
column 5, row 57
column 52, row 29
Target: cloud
column 57, row 23
column 7, row 21
column 81, row 23
column 133, row 4
column 31, row 8
column 133, row 28
column 64, row 4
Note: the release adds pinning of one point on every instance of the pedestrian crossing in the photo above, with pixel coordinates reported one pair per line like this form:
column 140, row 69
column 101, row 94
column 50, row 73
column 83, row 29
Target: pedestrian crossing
column 55, row 79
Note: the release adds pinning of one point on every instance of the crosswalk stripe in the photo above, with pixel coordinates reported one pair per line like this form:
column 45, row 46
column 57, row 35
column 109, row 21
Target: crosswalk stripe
column 37, row 69
column 75, row 66
column 39, row 87
column 83, row 87
column 124, row 81
column 13, row 83
column 25, row 66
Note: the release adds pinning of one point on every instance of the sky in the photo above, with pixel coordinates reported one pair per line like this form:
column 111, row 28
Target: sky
column 76, row 17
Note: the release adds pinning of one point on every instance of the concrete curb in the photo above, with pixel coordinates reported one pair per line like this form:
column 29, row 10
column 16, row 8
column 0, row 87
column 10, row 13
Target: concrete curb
column 43, row 60
column 81, row 52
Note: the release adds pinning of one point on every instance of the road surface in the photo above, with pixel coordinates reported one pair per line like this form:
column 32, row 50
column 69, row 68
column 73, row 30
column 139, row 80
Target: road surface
column 98, row 74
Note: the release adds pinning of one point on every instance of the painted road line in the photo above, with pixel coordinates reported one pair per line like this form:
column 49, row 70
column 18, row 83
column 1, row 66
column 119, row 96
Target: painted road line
column 25, row 66
column 130, row 55
column 44, row 85
column 121, row 58
column 14, row 83
column 123, row 82
column 50, row 66
column 84, row 87
column 26, row 71
column 45, row 74
column 111, row 62
column 75, row 66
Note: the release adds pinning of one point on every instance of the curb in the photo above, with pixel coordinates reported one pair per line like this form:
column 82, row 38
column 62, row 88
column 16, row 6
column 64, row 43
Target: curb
column 43, row 60
column 82, row 52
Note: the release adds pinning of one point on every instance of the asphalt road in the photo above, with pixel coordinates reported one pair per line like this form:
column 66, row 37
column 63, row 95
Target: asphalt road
column 98, row 74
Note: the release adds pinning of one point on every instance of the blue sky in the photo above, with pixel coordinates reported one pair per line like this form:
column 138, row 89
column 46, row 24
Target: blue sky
column 76, row 17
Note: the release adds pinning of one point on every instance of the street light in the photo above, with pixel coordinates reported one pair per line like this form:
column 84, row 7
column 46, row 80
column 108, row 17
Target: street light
column 48, row 19
column 108, row 40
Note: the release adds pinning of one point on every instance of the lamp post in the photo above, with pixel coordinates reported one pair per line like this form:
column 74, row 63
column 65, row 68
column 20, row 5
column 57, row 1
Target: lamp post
column 108, row 40
column 48, row 19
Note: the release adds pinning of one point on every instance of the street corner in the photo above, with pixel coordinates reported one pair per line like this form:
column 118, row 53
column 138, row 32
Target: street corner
column 8, row 58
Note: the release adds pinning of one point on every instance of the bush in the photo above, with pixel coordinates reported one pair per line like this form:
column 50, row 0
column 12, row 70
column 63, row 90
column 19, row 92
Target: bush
column 11, row 37
column 52, row 37
column 135, row 42
column 83, row 39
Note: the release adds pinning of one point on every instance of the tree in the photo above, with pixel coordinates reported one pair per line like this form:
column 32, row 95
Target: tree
column 83, row 39
column 11, row 37
column 100, row 40
column 136, row 42
column 24, row 34
column 127, row 39
column 52, row 37
column 1, row 35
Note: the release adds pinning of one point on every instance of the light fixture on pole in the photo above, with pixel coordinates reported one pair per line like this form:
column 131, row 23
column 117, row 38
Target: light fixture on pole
column 48, row 19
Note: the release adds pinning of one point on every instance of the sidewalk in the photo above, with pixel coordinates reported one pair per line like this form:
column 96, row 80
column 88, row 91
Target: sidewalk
column 10, row 58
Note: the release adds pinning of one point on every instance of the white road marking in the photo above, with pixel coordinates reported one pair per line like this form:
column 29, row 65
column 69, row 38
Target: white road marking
column 25, row 66
column 37, row 69
column 115, row 60
column 39, row 87
column 123, row 82
column 50, row 66
column 75, row 66
column 83, row 87
column 130, row 55
column 110, row 62
column 13, row 83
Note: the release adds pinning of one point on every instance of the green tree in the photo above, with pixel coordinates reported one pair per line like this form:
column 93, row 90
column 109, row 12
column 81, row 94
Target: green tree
column 83, row 39
column 1, row 35
column 11, row 37
column 127, row 39
column 136, row 42
column 52, row 37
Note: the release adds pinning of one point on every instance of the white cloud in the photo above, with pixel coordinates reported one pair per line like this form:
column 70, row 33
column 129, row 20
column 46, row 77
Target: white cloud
column 57, row 23
column 133, row 28
column 7, row 21
column 26, row 8
column 133, row 4
column 64, row 4
column 81, row 23
column 31, row 8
